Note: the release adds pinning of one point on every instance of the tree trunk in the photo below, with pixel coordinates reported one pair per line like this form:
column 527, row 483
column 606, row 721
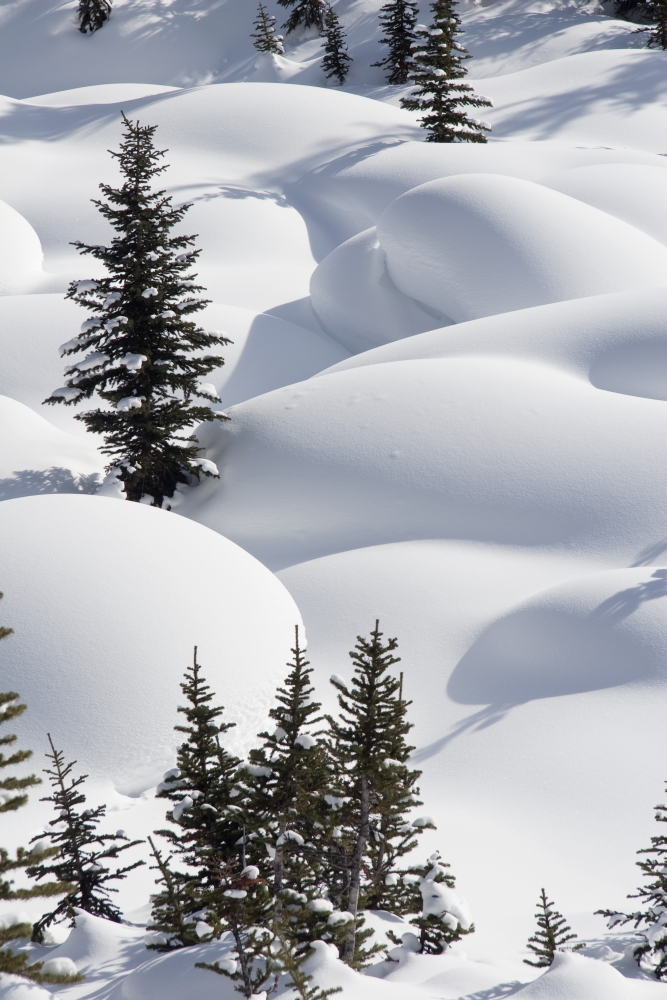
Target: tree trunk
column 243, row 961
column 355, row 869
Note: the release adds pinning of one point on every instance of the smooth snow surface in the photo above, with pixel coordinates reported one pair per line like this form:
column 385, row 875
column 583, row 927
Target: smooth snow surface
column 447, row 389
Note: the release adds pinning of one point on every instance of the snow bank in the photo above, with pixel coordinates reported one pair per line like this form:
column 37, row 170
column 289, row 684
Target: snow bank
column 592, row 632
column 20, row 252
column 15, row 988
column 106, row 600
column 482, row 244
column 97, row 946
column 357, row 302
column 579, row 978
column 618, row 342
column 343, row 460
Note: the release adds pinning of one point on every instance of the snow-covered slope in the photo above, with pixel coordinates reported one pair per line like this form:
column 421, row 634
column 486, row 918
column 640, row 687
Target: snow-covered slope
column 485, row 473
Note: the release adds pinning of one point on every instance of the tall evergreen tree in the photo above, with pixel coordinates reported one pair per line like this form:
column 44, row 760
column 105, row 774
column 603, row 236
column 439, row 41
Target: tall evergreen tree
column 146, row 353
column 442, row 917
column 651, row 921
column 264, row 35
column 336, row 61
column 83, row 853
column 552, row 934
column 92, row 14
column 439, row 69
column 369, row 752
column 305, row 14
column 398, row 19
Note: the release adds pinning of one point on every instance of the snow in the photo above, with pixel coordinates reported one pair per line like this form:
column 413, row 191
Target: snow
column 446, row 387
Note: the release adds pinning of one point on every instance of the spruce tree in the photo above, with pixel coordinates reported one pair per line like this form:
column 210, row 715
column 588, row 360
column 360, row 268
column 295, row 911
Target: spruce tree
column 368, row 751
column 398, row 18
column 438, row 72
column 171, row 925
column 441, row 918
column 265, row 38
column 83, row 853
column 305, row 14
column 146, row 353
column 92, row 14
column 651, row 921
column 552, row 934
column 336, row 61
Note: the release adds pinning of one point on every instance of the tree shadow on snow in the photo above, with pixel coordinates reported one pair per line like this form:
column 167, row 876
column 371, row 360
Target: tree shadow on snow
column 32, row 482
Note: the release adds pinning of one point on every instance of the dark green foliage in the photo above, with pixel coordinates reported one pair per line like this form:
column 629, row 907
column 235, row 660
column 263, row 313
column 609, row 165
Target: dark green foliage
column 439, row 68
column 552, row 934
column 265, row 38
column 147, row 354
column 291, row 963
column 435, row 928
column 650, row 921
column 305, row 14
column 336, row 61
column 375, row 787
column 83, row 853
column 12, row 789
column 398, row 19
column 171, row 925
column 651, row 12
column 92, row 14
column 18, row 964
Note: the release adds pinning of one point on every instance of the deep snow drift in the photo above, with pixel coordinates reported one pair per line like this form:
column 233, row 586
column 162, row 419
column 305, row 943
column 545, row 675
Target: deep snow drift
column 448, row 393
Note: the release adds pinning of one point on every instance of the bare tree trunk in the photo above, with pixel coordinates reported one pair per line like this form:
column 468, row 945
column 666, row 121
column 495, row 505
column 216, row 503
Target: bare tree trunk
column 243, row 961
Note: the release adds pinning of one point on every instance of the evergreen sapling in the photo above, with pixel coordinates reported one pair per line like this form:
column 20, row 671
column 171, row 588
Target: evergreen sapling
column 438, row 72
column 336, row 61
column 146, row 353
column 171, row 925
column 83, row 853
column 443, row 916
column 92, row 14
column 651, row 921
column 398, row 19
column 552, row 934
column 264, row 36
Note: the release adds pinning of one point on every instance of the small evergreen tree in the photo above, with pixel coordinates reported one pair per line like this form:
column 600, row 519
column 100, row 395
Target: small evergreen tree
column 398, row 19
column 437, row 74
column 552, row 934
column 368, row 751
column 651, row 921
column 92, row 14
column 171, row 925
column 265, row 38
column 83, row 853
column 442, row 918
column 146, row 352
column 336, row 61
column 305, row 14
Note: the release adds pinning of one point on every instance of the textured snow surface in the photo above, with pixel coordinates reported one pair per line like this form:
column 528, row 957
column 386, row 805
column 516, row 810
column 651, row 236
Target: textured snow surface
column 447, row 389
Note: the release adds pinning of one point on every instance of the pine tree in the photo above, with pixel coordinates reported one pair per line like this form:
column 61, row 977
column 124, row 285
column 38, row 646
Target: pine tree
column 171, row 925
column 265, row 38
column 398, row 18
column 146, row 352
column 306, row 14
column 437, row 75
column 336, row 61
column 83, row 853
column 368, row 749
column 92, row 14
column 552, row 934
column 651, row 921
column 652, row 12
column 442, row 918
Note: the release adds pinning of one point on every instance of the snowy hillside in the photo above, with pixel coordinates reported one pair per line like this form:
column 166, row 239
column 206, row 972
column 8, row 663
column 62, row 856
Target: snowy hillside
column 447, row 387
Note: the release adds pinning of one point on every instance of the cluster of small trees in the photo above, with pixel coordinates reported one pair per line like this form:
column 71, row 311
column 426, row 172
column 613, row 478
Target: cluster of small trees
column 306, row 14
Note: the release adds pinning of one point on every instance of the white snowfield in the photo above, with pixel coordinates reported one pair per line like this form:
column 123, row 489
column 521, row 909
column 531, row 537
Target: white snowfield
column 447, row 386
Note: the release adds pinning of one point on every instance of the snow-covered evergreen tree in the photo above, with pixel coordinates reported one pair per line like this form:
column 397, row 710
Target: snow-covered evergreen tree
column 336, row 61
column 146, row 354
column 650, row 922
column 438, row 72
column 442, row 916
column 368, row 750
column 552, row 934
column 264, row 36
column 83, row 854
column 398, row 19
column 304, row 14
column 92, row 14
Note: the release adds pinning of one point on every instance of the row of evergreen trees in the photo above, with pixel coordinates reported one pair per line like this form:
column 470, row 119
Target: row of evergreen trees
column 431, row 58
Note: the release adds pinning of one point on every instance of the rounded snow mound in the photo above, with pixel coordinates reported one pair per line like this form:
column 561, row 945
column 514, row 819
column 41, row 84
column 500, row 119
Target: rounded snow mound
column 487, row 448
column 20, row 249
column 481, row 244
column 16, row 988
column 597, row 631
column 107, row 600
column 580, row 978
column 357, row 302
column 633, row 192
